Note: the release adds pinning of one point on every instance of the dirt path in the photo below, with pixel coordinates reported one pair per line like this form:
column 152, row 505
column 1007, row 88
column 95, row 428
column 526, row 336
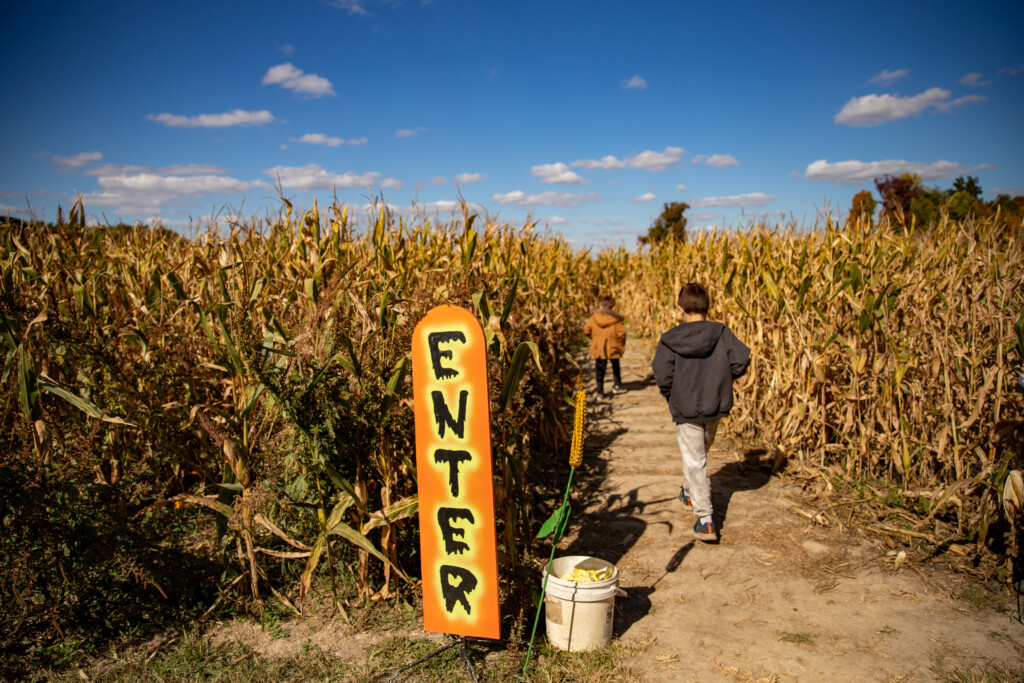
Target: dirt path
column 781, row 597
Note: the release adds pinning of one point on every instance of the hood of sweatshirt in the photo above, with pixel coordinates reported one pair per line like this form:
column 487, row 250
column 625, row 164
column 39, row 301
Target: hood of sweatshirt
column 693, row 340
column 605, row 318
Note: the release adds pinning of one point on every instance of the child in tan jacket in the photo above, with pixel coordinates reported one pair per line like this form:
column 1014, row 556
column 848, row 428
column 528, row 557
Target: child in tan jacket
column 607, row 342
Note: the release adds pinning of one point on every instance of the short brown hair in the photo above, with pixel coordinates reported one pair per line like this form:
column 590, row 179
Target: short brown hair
column 693, row 298
column 607, row 302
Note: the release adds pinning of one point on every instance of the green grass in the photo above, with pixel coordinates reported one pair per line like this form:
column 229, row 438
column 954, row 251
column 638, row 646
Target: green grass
column 976, row 596
column 193, row 657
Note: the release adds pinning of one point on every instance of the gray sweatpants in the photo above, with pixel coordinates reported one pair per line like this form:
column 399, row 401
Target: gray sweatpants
column 695, row 439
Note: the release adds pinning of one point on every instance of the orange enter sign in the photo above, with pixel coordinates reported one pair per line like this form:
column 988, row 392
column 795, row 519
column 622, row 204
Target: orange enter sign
column 453, row 466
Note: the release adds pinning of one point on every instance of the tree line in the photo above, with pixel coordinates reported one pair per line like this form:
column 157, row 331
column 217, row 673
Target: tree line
column 904, row 200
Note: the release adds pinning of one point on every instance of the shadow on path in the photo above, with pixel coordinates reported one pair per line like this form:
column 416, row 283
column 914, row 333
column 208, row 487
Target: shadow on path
column 748, row 474
column 608, row 519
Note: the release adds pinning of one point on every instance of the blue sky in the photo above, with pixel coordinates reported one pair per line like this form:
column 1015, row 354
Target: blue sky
column 587, row 116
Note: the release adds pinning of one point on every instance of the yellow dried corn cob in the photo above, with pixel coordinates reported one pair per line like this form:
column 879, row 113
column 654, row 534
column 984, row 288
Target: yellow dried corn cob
column 576, row 449
column 578, row 575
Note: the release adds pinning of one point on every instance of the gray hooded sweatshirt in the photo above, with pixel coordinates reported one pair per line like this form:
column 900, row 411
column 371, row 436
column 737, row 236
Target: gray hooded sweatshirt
column 695, row 365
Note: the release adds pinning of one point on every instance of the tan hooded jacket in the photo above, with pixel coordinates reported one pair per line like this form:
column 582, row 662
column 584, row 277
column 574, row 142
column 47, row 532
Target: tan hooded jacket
column 607, row 334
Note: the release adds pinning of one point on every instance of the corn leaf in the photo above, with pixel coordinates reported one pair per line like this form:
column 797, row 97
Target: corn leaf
column 407, row 507
column 363, row 543
column 516, row 370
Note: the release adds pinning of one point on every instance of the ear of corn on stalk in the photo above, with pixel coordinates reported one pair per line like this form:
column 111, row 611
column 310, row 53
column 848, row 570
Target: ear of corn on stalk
column 576, row 449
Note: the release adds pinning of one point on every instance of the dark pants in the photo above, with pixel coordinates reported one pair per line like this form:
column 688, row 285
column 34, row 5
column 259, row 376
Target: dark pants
column 599, row 366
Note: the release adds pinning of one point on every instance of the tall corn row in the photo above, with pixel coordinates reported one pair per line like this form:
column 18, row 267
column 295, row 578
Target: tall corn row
column 260, row 370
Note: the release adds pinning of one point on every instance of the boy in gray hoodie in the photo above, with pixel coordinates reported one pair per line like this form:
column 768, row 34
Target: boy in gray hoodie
column 694, row 366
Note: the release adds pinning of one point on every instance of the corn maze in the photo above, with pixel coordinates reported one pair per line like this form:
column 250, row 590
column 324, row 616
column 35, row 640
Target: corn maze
column 229, row 413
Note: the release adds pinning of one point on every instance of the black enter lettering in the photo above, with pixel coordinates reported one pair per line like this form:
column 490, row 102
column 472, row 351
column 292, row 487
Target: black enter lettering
column 434, row 339
column 443, row 416
column 445, row 517
column 456, row 593
column 453, row 459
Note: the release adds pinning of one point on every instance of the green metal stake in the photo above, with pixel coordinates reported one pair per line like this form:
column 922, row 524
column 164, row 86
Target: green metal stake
column 559, row 529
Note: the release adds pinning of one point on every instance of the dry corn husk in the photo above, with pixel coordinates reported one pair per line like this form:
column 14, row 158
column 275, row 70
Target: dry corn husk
column 1013, row 493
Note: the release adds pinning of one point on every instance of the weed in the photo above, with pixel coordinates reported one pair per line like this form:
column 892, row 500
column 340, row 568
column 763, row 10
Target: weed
column 996, row 673
column 804, row 639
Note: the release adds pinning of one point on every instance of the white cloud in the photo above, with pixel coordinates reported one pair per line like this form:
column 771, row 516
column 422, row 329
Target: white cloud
column 287, row 49
column 749, row 199
column 321, row 139
column 410, row 132
column 176, row 169
column 467, row 178
column 351, row 6
column 966, row 99
column 857, row 172
column 556, row 173
column 76, row 161
column 178, row 185
column 192, row 169
column 237, row 117
column 644, row 198
column 1013, row 71
column 360, row 7
column 150, row 192
column 648, row 160
column 636, row 83
column 887, row 77
column 721, row 160
column 9, row 210
column 441, row 205
column 873, row 110
column 295, row 79
column 80, row 163
column 520, row 198
column 314, row 177
column 556, row 220
column 698, row 158
column 437, row 180
column 607, row 163
column 680, row 188
column 704, row 216
column 974, row 78
column 328, row 141
column 655, row 161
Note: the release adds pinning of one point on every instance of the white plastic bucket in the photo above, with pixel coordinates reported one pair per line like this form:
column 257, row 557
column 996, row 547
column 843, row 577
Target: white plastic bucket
column 579, row 615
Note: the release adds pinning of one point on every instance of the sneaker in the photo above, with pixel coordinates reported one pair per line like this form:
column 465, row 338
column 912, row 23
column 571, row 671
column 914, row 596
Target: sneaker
column 619, row 389
column 683, row 496
column 705, row 532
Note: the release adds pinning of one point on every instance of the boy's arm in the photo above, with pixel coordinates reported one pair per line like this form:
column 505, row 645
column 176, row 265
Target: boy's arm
column 620, row 331
column 739, row 354
column 587, row 328
column 664, row 365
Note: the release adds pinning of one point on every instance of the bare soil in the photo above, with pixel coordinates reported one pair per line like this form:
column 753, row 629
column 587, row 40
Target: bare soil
column 781, row 597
